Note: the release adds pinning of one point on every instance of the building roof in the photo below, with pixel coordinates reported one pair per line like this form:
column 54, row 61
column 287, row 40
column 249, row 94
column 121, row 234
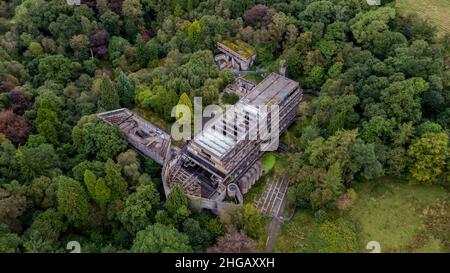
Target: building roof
column 141, row 134
column 213, row 139
column 272, row 90
column 239, row 48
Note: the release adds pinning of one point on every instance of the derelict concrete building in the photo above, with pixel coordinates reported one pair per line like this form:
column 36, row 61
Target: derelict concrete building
column 221, row 163
column 235, row 55
column 143, row 136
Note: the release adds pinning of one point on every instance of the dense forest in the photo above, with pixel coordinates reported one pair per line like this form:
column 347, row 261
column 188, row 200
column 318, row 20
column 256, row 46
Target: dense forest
column 383, row 110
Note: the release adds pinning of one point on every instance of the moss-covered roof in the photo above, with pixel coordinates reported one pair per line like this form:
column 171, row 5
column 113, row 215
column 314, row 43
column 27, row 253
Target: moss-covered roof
column 240, row 47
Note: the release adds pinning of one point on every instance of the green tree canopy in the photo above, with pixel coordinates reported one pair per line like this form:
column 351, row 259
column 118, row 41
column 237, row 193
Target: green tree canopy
column 429, row 156
column 177, row 204
column 159, row 238
column 108, row 98
column 72, row 201
column 140, row 208
column 125, row 90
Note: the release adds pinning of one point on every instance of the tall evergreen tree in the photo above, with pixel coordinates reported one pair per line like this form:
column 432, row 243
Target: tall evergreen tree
column 142, row 51
column 72, row 200
column 109, row 99
column 125, row 90
column 115, row 181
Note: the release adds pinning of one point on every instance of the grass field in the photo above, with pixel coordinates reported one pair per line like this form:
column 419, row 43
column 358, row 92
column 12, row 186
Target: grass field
column 436, row 11
column 390, row 212
column 268, row 162
column 295, row 234
column 387, row 211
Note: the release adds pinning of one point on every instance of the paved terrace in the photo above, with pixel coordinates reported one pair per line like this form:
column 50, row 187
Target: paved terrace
column 271, row 91
column 270, row 203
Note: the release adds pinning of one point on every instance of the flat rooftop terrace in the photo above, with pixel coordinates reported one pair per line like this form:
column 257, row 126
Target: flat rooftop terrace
column 239, row 48
column 235, row 125
column 233, row 120
column 271, row 91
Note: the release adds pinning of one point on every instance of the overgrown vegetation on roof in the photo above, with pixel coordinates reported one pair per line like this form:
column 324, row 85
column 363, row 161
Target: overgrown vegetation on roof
column 240, row 47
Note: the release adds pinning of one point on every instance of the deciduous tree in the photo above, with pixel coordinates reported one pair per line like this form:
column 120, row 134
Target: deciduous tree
column 429, row 156
column 177, row 204
column 159, row 238
column 97, row 188
column 58, row 68
column 258, row 16
column 38, row 161
column 114, row 180
column 233, row 242
column 93, row 139
column 99, row 42
column 43, row 234
column 199, row 238
column 43, row 192
column 140, row 208
column 9, row 242
column 15, row 128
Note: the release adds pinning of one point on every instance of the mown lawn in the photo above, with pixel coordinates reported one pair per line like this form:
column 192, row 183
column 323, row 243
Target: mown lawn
column 387, row 211
column 436, row 11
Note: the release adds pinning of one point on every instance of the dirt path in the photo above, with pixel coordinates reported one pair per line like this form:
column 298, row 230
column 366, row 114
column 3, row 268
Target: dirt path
column 274, row 227
column 272, row 231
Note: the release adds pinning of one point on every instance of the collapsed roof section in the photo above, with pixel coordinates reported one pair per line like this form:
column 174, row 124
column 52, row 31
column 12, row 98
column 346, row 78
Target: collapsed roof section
column 223, row 135
column 141, row 134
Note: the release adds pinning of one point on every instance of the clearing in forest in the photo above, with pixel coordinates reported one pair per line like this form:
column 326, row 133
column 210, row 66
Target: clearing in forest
column 436, row 11
column 391, row 212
